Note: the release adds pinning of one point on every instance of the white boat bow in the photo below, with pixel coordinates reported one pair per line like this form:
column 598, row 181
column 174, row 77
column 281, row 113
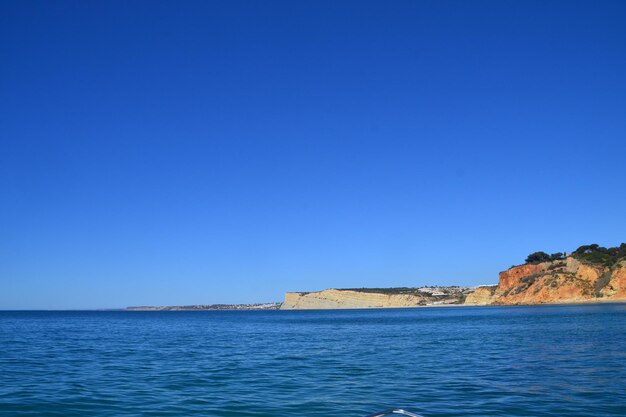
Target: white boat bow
column 394, row 411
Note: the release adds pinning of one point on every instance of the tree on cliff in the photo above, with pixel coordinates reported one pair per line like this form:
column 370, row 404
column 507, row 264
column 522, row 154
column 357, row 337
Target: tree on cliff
column 537, row 257
column 596, row 254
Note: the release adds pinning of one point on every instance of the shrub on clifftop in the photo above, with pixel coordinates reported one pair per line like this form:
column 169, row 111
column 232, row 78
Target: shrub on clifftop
column 537, row 258
column 596, row 254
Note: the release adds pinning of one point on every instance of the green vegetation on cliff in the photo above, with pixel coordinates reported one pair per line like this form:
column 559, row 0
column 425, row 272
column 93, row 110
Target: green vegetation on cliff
column 592, row 254
column 538, row 257
column 595, row 254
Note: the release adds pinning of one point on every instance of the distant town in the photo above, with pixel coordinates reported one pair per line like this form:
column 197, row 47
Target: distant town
column 201, row 307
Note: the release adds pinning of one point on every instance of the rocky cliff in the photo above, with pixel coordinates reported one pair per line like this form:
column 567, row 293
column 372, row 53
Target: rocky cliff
column 561, row 281
column 481, row 296
column 332, row 299
column 373, row 298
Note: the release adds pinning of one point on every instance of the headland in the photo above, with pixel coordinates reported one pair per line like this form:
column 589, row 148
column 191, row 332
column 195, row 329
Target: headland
column 589, row 274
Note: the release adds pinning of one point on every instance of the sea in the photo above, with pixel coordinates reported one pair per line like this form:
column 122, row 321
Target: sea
column 461, row 361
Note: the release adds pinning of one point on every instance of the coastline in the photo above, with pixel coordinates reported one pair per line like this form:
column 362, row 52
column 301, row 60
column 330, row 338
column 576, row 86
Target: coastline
column 563, row 303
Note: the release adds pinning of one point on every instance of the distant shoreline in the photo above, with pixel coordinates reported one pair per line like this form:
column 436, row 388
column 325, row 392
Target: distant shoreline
column 124, row 310
column 210, row 307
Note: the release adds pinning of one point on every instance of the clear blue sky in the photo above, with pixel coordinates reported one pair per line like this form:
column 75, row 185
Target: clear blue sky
column 202, row 152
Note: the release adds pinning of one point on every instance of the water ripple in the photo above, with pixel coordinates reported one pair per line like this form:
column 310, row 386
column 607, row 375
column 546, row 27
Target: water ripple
column 528, row 361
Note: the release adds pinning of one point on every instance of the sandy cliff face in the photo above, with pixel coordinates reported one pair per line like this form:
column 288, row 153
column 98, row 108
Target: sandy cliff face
column 616, row 288
column 562, row 281
column 481, row 296
column 333, row 299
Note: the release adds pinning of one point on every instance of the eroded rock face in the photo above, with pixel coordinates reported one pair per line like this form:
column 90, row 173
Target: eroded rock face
column 481, row 296
column 571, row 265
column 511, row 277
column 591, row 273
column 562, row 281
column 616, row 287
column 339, row 299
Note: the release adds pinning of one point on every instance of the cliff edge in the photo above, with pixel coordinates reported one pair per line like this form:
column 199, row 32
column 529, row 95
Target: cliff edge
column 590, row 274
column 373, row 298
column 566, row 281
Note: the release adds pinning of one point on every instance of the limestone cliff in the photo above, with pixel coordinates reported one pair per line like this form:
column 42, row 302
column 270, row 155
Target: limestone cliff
column 481, row 296
column 372, row 298
column 333, row 299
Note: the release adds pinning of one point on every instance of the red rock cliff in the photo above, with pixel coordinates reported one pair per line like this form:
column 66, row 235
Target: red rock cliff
column 512, row 277
column 562, row 281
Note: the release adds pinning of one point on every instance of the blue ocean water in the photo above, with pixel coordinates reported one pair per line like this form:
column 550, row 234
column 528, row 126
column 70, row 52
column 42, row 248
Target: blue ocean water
column 466, row 361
